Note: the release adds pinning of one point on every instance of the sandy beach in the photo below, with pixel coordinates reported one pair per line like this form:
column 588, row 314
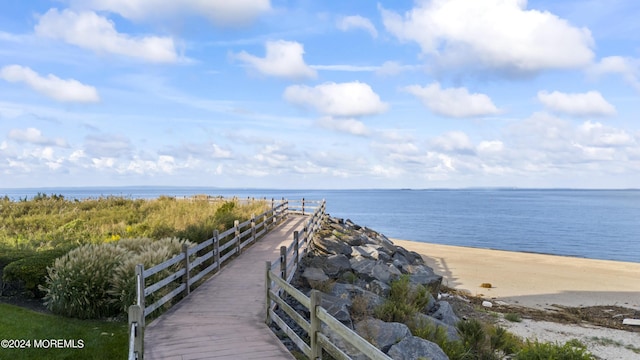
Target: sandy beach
column 533, row 280
column 539, row 281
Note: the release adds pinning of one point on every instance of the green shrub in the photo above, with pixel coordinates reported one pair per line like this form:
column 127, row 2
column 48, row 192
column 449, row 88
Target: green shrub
column 150, row 253
column 404, row 301
column 513, row 317
column 30, row 272
column 573, row 350
column 78, row 282
column 9, row 255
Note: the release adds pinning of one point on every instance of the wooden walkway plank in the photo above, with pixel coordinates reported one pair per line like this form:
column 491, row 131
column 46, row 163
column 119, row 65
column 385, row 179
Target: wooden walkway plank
column 224, row 317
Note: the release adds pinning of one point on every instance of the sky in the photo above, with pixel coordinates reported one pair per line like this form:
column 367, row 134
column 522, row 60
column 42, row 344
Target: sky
column 320, row 94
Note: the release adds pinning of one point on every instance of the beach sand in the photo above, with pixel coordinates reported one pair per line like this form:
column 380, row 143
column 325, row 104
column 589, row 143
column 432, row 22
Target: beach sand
column 533, row 280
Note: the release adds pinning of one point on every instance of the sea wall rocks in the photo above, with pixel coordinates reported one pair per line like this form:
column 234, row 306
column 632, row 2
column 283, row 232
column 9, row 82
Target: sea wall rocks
column 355, row 267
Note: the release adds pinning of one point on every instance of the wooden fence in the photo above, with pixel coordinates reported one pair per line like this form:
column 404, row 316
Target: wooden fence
column 182, row 273
column 278, row 284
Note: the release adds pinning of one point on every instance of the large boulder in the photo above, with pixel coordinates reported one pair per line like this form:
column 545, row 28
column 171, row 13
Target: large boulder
column 413, row 347
column 338, row 307
column 331, row 245
column 314, row 276
column 445, row 313
column 382, row 334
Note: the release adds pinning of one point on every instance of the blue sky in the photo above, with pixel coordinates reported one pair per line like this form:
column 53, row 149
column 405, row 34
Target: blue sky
column 320, row 94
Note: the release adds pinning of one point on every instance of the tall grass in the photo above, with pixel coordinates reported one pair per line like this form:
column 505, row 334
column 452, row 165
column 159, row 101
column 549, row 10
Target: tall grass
column 47, row 222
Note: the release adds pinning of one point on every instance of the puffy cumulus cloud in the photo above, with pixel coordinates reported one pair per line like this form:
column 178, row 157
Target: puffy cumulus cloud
column 163, row 164
column 282, row 59
column 501, row 35
column 596, row 134
column 351, row 126
column 69, row 90
column 91, row 31
column 453, row 142
column 34, row 136
column 453, row 102
column 357, row 22
column 627, row 67
column 351, row 99
column 220, row 12
column 581, row 104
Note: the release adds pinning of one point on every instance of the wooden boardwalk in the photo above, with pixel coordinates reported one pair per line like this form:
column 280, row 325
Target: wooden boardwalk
column 224, row 317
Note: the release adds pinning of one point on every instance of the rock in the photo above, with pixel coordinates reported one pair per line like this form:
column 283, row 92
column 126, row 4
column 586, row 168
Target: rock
column 426, row 320
column 348, row 291
column 338, row 307
column 331, row 245
column 445, row 313
column 368, row 251
column 363, row 267
column 487, row 304
column 379, row 288
column 314, row 276
column 382, row 334
column 334, row 265
column 413, row 347
column 385, row 272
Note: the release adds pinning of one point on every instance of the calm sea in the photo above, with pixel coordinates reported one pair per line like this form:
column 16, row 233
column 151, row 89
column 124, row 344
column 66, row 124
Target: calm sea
column 598, row 224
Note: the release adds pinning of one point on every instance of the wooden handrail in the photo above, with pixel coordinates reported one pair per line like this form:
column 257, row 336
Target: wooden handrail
column 276, row 284
column 233, row 239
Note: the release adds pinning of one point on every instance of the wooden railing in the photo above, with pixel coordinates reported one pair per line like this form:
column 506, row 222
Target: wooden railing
column 212, row 253
column 278, row 284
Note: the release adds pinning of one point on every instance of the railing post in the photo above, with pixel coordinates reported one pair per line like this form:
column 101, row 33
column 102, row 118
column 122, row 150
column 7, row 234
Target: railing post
column 216, row 248
column 140, row 300
column 316, row 349
column 296, row 247
column 253, row 228
column 135, row 314
column 264, row 222
column 302, row 206
column 185, row 279
column 236, row 227
column 283, row 262
column 267, row 286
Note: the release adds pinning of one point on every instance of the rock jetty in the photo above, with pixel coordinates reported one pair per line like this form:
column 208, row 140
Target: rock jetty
column 354, row 267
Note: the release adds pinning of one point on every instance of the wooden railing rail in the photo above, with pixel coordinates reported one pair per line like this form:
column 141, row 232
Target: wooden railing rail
column 278, row 283
column 188, row 268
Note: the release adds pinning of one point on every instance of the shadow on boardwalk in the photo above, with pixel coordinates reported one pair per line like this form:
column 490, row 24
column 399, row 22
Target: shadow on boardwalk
column 224, row 317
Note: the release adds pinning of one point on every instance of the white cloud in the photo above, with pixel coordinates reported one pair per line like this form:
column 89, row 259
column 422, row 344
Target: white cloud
column 453, row 102
column 97, row 33
column 596, row 134
column 351, row 126
column 220, row 12
column 347, row 68
column 627, row 67
column 282, row 59
column 492, row 34
column 69, row 90
column 351, row 99
column 357, row 22
column 34, row 136
column 453, row 142
column 581, row 104
column 389, row 68
column 219, row 153
column 490, row 147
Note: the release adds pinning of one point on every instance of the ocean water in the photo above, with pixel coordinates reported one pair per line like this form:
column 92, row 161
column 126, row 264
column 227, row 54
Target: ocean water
column 597, row 224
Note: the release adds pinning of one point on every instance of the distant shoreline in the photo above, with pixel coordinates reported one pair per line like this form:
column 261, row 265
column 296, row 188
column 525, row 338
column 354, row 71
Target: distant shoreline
column 531, row 279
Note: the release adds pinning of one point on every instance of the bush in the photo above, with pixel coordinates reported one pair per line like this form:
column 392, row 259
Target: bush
column 150, row 253
column 78, row 282
column 570, row 351
column 30, row 272
column 404, row 301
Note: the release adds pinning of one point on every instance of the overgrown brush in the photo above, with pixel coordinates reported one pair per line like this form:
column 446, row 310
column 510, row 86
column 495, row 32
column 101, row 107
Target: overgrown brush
column 404, row 301
column 97, row 281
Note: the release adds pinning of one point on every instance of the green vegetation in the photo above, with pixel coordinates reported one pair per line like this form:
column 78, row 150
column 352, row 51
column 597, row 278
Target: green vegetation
column 404, row 301
column 35, row 232
column 478, row 341
column 101, row 340
column 513, row 317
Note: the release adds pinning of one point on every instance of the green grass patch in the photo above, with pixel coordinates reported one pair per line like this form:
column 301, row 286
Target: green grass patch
column 100, row 340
